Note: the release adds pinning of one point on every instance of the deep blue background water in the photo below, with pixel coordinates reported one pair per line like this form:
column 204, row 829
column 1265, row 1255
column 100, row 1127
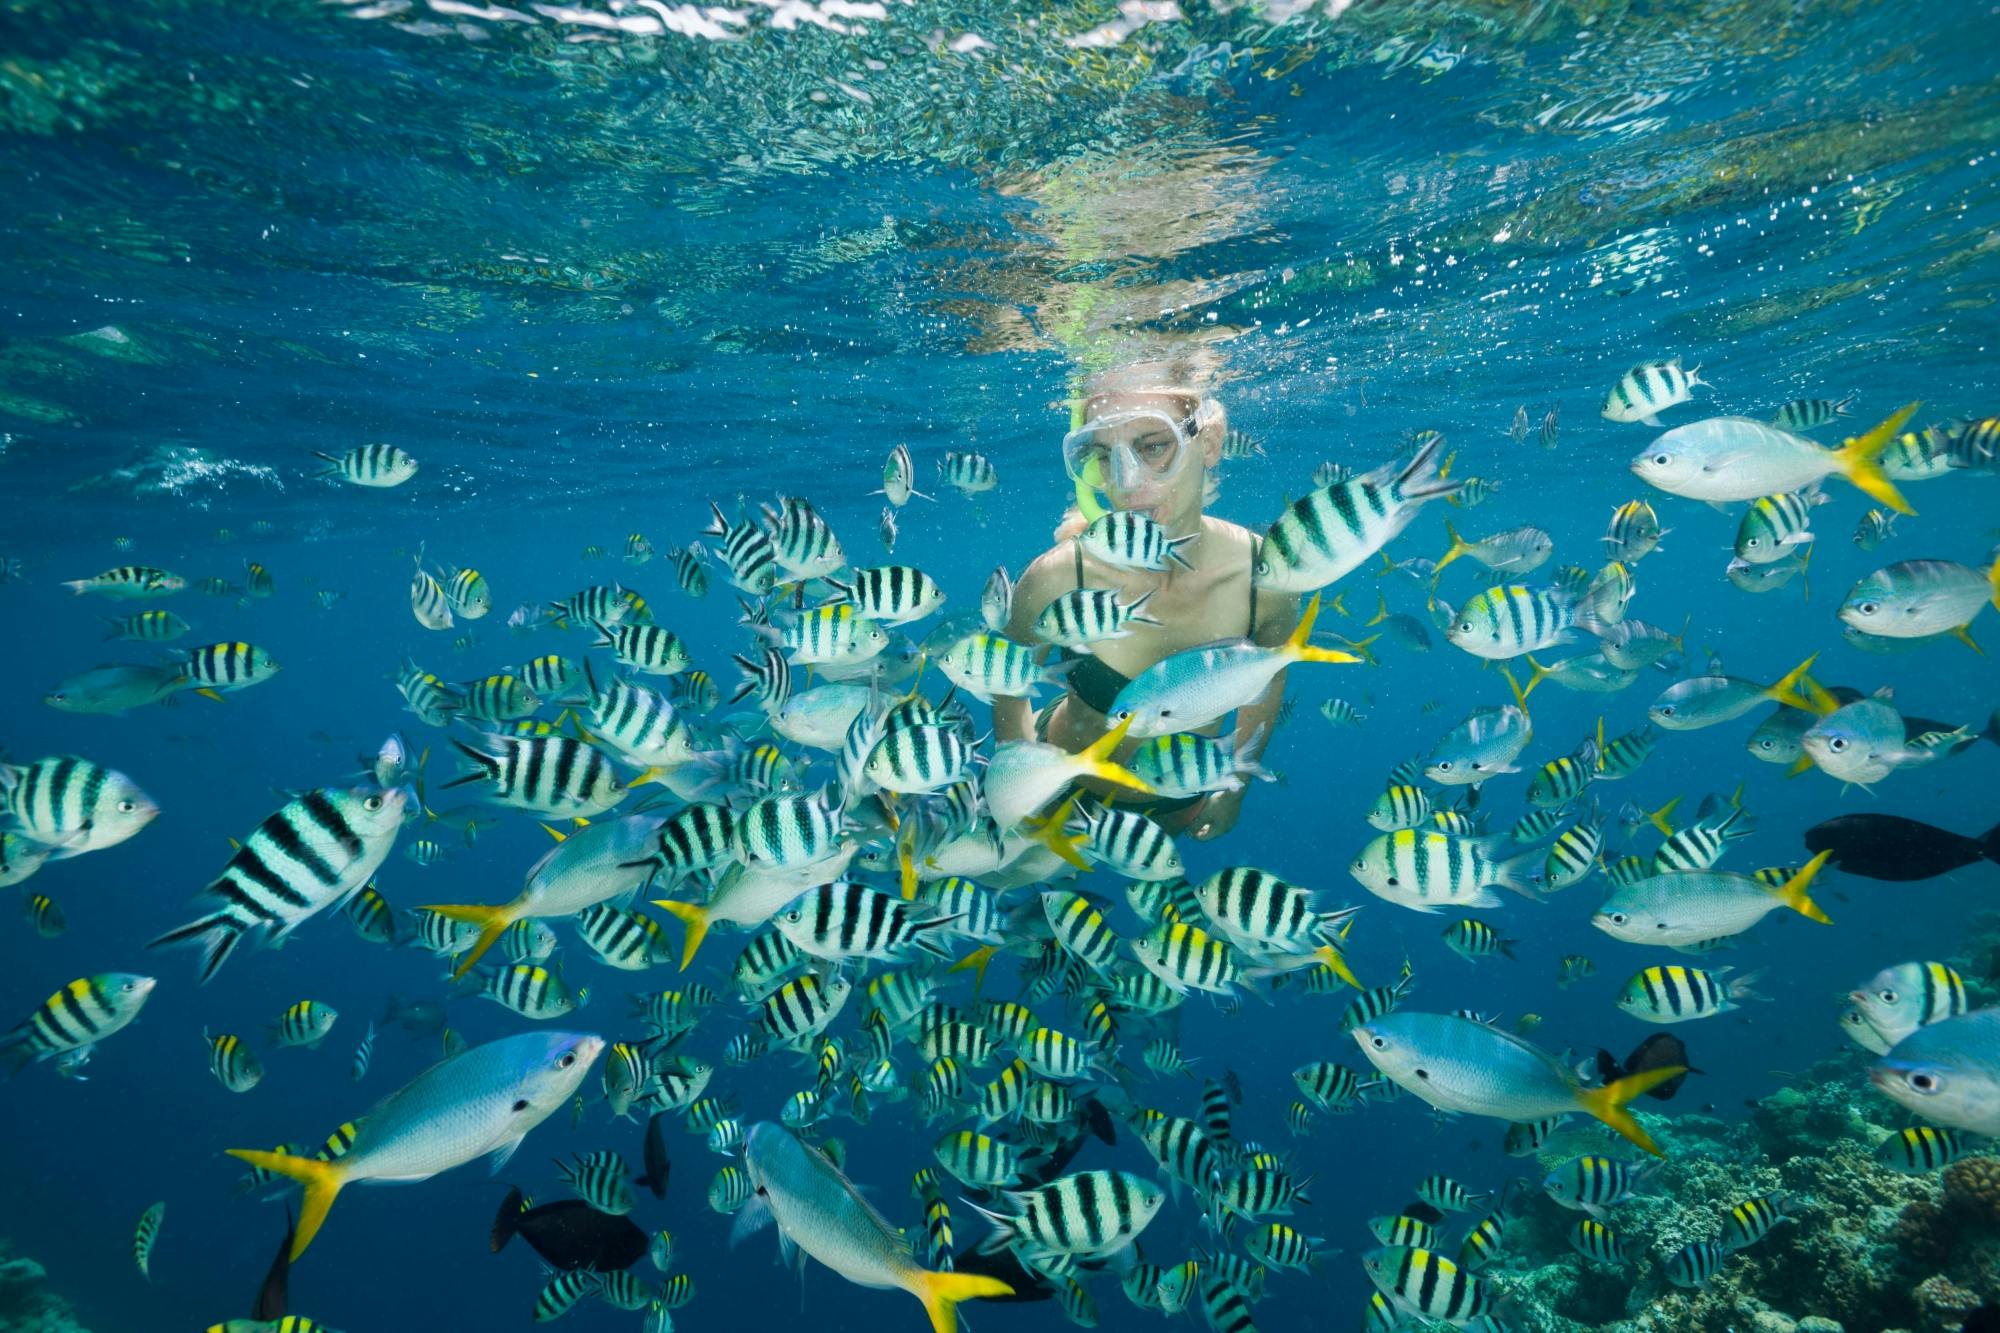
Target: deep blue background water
column 301, row 220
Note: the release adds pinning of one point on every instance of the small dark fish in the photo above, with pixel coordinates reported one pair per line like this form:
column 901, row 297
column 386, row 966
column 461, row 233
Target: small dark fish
column 1003, row 1265
column 570, row 1234
column 274, row 1297
column 658, row 1167
column 1234, row 1083
column 1424, row 1212
column 419, row 1018
column 1655, row 1052
column 1893, row 848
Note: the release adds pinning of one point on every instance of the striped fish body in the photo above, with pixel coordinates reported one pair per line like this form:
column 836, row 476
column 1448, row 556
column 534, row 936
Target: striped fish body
column 899, row 477
column 765, row 960
column 964, row 909
column 1329, row 1086
column 1186, row 957
column 1004, row 1095
column 376, row 465
column 469, row 594
column 1426, row 871
column 1373, row 1003
column 1975, row 444
column 746, row 553
column 914, row 761
column 1696, row 1263
column 979, row 1161
column 1752, row 1220
column 966, row 1043
column 1127, row 539
column 1508, row 621
column 43, row 914
column 1634, row 532
column 628, row 940
column 1280, row 1246
column 1418, row 1228
column 530, row 990
column 691, row 570
column 1563, row 779
column 431, row 699
column 304, row 1024
column 1084, row 616
column 599, row 604
column 228, row 667
column 1081, row 929
column 1775, row 526
column 548, row 775
column 845, row 920
column 1643, row 392
column 1623, row 756
column 144, row 1237
column 428, row 602
column 601, row 1180
column 1089, row 1215
column 640, row 725
column 801, row 541
column 967, row 473
column 1573, row 854
column 364, row 1054
column 1259, row 1192
column 645, row 648
column 801, row 1009
column 1898, row 1000
column 77, row 1017
column 638, row 550
column 1445, row 1193
column 1701, row 844
column 1426, row 1285
column 1593, row 1240
column 1261, row 912
column 829, row 634
column 1803, row 414
column 312, row 854
column 128, row 582
column 1400, row 807
column 987, row 666
column 890, row 594
column 1873, row 528
column 1132, row 845
column 148, row 627
column 1921, row 1149
column 1336, row 529
column 1473, row 940
column 502, row 697
column 1595, row 1184
column 563, row 1291
column 71, row 806
column 788, row 831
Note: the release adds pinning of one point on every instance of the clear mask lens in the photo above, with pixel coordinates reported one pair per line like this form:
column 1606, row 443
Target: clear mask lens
column 1128, row 449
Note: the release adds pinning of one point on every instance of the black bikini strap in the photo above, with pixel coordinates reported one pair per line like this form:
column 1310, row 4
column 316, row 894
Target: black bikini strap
column 1077, row 547
column 1256, row 549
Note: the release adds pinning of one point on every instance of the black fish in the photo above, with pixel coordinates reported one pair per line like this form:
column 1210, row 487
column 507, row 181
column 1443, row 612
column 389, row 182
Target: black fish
column 570, row 1234
column 274, row 1297
column 658, row 1168
column 1423, row 1212
column 1658, row 1051
column 1893, row 848
column 419, row 1018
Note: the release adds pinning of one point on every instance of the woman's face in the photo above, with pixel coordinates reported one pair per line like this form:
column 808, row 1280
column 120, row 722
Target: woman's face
column 1174, row 500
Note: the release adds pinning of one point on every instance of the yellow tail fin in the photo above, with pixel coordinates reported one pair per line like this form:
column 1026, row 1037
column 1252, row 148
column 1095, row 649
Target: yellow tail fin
column 492, row 923
column 1993, row 582
column 1792, row 893
column 1457, row 549
column 1049, row 831
column 696, row 921
column 1662, row 818
column 1381, row 610
column 976, row 962
column 1860, row 460
column 1337, row 960
column 1538, row 674
column 1299, row 650
column 941, row 1293
column 1964, row 635
column 1786, row 691
column 1339, row 603
column 1095, row 758
column 1608, row 1102
column 1520, row 697
column 321, row 1182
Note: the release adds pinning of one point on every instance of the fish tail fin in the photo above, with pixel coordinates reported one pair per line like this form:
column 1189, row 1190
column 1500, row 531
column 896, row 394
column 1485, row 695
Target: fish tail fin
column 1299, row 648
column 1050, row 831
column 976, row 962
column 692, row 917
column 1336, row 961
column 1381, row 610
column 218, row 934
column 1095, row 759
column 1792, row 893
column 321, row 1181
column 1537, row 673
column 1457, row 548
column 1989, row 844
column 1663, row 818
column 942, row 1292
column 492, row 923
column 1608, row 1103
column 1520, row 695
column 1813, row 699
column 1859, row 459
column 1964, row 635
column 1993, row 582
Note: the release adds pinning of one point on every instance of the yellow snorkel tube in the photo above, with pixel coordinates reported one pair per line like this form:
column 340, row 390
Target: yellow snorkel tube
column 1090, row 499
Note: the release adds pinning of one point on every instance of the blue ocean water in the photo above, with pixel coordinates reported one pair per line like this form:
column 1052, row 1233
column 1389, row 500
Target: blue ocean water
column 595, row 270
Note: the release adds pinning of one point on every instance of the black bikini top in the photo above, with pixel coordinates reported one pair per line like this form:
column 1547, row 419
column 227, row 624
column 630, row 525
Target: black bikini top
column 1096, row 683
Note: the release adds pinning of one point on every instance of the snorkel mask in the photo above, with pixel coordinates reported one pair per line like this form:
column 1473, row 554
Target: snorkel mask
column 1128, row 448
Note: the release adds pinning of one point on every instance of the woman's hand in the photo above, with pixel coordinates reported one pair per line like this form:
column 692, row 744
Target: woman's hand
column 1216, row 815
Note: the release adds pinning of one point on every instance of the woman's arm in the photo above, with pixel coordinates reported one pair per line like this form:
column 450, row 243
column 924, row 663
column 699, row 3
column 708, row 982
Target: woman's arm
column 1277, row 616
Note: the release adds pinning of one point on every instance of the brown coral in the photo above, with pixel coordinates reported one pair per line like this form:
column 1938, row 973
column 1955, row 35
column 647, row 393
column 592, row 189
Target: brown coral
column 1921, row 1234
column 1943, row 1304
column 1972, row 1191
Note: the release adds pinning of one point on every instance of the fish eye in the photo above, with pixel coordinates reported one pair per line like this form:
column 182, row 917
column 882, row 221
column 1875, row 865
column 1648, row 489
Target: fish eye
column 1837, row 744
column 1378, row 1043
column 566, row 1059
column 127, row 807
column 1887, row 996
column 1465, row 627
column 1754, row 543
column 1867, row 608
column 129, row 987
column 372, row 803
column 521, row 1105
column 1619, row 918
column 1923, row 1082
column 1661, row 460
column 1666, row 710
column 1767, row 744
column 1443, row 766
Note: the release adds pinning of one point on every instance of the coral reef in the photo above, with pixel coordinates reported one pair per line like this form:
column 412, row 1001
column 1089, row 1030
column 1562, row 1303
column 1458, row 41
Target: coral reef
column 27, row 1303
